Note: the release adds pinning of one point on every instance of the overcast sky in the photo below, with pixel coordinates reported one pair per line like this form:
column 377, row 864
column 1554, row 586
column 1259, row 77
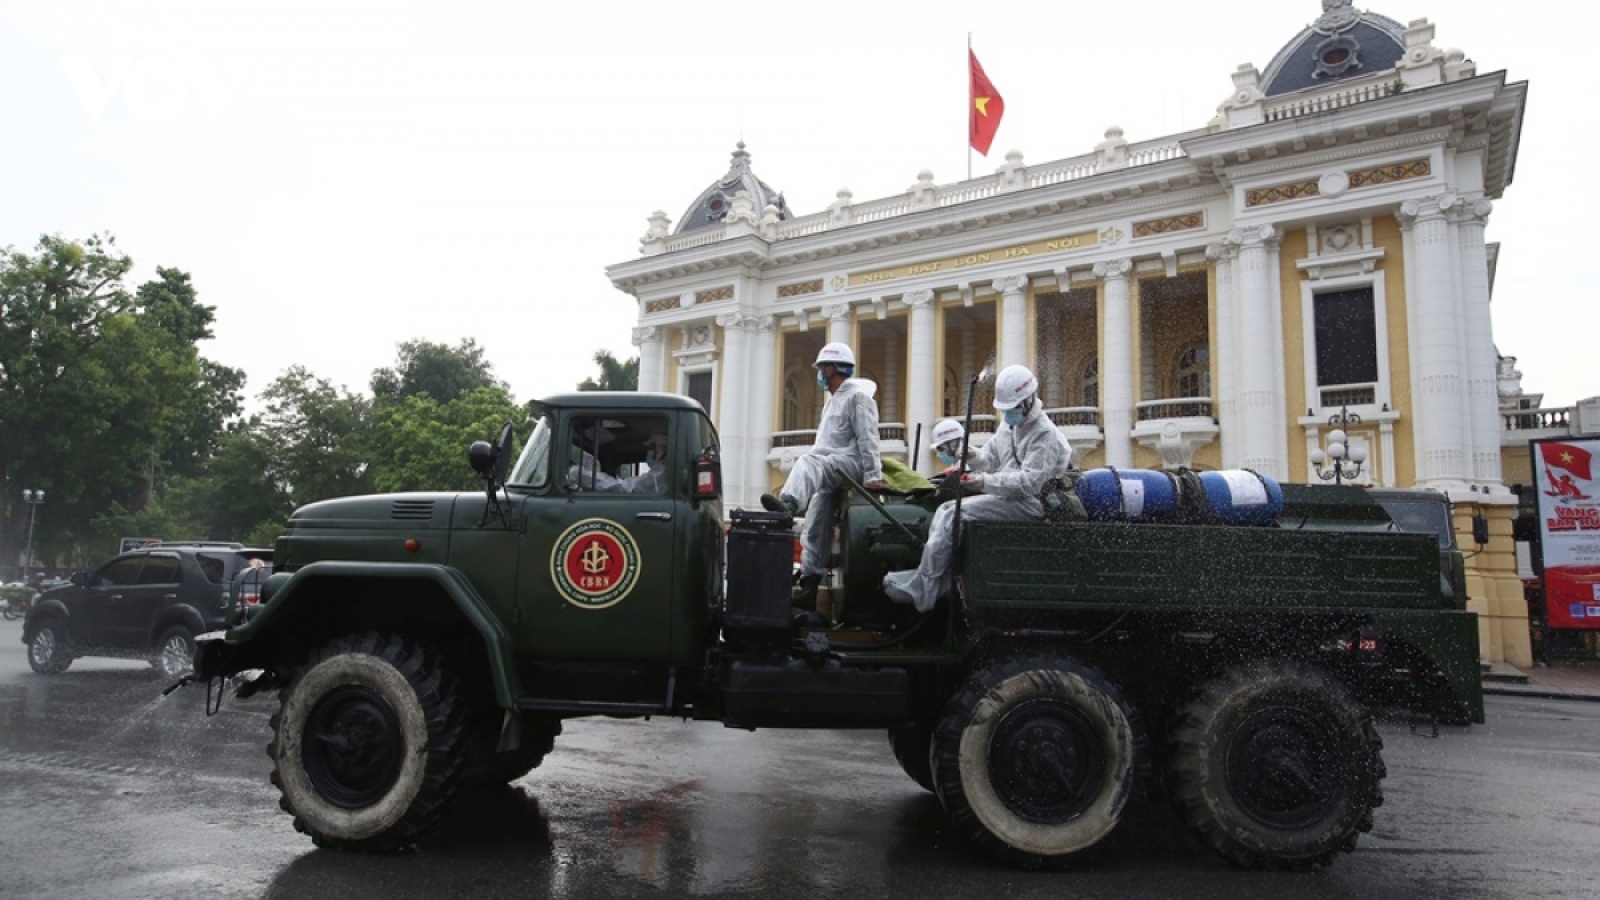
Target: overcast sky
column 339, row 177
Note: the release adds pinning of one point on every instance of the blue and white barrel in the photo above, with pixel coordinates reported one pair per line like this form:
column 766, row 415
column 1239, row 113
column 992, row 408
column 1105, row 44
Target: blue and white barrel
column 1128, row 495
column 1241, row 497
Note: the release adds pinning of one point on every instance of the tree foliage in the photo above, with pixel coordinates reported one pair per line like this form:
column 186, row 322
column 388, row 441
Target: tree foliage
column 614, row 375
column 318, row 435
column 436, row 370
column 424, row 443
column 104, row 396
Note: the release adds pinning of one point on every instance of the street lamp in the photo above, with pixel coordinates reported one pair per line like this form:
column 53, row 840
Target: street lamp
column 33, row 499
column 1342, row 461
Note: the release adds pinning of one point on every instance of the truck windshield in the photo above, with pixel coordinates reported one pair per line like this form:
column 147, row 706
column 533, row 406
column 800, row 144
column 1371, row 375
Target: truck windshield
column 533, row 466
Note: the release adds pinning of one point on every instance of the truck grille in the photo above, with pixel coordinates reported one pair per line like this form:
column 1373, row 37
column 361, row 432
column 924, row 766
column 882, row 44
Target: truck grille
column 411, row 509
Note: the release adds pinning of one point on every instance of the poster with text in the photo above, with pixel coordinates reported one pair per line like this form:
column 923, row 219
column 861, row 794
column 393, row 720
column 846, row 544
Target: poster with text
column 1568, row 504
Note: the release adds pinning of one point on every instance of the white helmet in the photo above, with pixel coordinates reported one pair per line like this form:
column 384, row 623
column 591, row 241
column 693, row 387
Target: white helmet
column 836, row 354
column 947, row 431
column 1014, row 385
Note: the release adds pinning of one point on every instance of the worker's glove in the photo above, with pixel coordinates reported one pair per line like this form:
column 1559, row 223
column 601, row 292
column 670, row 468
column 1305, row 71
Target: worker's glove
column 973, row 484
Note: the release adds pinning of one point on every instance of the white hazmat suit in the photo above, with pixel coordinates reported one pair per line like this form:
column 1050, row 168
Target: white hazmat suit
column 847, row 442
column 1015, row 464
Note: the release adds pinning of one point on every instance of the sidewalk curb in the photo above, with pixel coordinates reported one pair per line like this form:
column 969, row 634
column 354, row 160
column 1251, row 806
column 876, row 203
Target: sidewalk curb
column 1538, row 694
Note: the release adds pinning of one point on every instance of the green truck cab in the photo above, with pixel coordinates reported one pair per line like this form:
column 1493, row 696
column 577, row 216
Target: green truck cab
column 420, row 640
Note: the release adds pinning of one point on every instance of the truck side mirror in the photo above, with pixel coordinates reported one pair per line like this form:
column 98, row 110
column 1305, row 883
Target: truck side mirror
column 1480, row 529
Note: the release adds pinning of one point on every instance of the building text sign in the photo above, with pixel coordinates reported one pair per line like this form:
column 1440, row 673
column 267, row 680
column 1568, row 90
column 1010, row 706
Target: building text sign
column 1083, row 241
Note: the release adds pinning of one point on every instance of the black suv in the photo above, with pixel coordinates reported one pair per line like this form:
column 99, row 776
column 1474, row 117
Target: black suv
column 146, row 604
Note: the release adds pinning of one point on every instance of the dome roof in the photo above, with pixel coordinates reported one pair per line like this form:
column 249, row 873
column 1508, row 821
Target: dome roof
column 715, row 201
column 1344, row 43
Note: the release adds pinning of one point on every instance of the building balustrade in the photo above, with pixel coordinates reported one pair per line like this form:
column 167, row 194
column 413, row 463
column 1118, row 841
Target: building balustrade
column 1179, row 408
column 1074, row 416
column 1538, row 419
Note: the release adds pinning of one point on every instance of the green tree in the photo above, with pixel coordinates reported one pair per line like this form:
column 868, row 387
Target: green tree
column 318, row 435
column 421, row 444
column 103, row 393
column 614, row 375
column 439, row 371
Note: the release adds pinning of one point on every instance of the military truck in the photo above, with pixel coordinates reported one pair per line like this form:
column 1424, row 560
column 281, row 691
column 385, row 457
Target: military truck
column 421, row 641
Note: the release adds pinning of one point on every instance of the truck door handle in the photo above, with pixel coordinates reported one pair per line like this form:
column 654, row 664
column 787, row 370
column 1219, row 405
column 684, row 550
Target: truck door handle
column 654, row 516
column 116, row 596
column 169, row 596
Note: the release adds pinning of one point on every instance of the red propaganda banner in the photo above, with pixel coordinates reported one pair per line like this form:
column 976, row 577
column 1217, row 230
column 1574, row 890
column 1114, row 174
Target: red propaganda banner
column 984, row 108
column 1568, row 505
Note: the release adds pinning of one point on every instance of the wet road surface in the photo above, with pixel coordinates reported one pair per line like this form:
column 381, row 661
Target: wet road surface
column 109, row 791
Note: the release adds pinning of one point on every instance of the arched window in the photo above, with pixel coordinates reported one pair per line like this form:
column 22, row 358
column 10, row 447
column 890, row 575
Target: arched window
column 1194, row 372
column 1089, row 393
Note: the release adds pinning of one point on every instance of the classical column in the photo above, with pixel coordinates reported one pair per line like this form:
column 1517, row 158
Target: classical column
column 1264, row 446
column 921, row 340
column 652, row 374
column 732, row 370
column 1116, row 365
column 1437, row 382
column 1483, row 362
column 1013, row 320
column 893, row 377
column 1221, row 256
column 764, row 363
column 838, row 316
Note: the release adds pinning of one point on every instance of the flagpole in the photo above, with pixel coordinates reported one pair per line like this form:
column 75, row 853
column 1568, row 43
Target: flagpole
column 969, row 106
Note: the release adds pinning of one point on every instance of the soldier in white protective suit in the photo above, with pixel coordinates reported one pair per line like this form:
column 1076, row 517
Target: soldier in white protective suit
column 1010, row 472
column 847, row 444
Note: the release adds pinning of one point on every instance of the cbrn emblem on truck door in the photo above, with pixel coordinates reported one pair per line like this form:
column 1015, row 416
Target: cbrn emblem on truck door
column 595, row 564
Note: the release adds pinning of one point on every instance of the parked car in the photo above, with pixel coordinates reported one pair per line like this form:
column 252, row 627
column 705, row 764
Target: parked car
column 146, row 604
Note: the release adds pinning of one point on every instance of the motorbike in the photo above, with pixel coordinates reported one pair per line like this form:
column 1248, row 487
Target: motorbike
column 17, row 599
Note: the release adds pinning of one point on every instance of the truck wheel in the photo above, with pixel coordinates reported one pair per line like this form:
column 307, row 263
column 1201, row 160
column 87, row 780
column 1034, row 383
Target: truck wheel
column 1276, row 767
column 1036, row 758
column 174, row 652
column 910, row 744
column 49, row 652
column 369, row 743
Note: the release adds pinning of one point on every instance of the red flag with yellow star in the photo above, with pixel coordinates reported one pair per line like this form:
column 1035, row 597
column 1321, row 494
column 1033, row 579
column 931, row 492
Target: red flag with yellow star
column 985, row 107
column 1567, row 457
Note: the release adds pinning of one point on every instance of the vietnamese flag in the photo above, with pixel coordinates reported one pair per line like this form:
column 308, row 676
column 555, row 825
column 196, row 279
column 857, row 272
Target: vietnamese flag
column 984, row 108
column 1567, row 457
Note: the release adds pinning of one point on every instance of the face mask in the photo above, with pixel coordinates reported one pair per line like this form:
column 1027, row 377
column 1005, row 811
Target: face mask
column 652, row 459
column 1014, row 417
column 948, row 459
column 822, row 380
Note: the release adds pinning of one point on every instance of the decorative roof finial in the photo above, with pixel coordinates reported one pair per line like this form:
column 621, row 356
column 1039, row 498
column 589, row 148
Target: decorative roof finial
column 1337, row 14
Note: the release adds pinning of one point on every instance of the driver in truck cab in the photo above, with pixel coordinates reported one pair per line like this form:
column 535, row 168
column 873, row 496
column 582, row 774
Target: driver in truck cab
column 586, row 474
column 1009, row 474
column 846, row 445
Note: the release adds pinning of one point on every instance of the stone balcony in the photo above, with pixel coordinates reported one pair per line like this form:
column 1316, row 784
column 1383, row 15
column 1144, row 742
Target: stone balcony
column 1176, row 428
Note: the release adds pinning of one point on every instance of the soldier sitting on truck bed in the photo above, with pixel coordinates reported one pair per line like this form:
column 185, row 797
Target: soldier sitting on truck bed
column 1010, row 472
column 846, row 445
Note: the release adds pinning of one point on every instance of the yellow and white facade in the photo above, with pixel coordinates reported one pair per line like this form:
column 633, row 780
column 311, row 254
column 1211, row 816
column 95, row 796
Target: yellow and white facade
column 1206, row 300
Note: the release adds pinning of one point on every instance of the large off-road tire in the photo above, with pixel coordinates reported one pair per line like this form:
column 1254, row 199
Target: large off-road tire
column 369, row 743
column 1036, row 758
column 50, row 649
column 174, row 655
column 490, row 768
column 1275, row 766
column 911, row 745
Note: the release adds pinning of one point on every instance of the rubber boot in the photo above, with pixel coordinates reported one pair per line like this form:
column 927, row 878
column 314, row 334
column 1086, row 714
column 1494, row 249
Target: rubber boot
column 805, row 592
